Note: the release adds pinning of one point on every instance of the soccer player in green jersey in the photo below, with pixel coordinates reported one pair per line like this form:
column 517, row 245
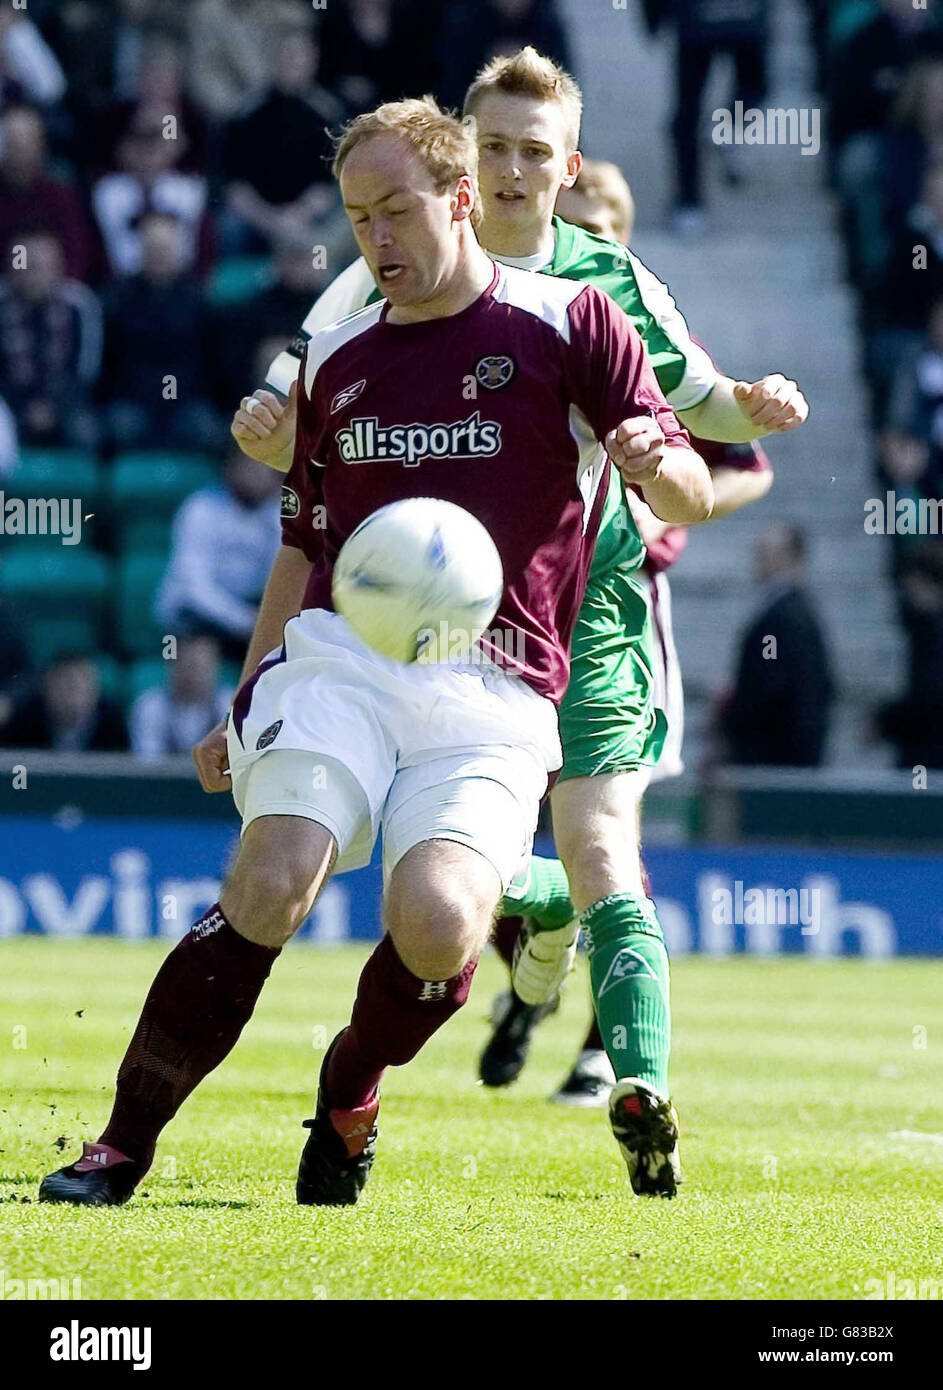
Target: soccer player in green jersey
column 528, row 113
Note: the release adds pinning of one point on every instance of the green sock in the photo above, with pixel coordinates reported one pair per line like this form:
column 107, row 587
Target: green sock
column 543, row 893
column 628, row 966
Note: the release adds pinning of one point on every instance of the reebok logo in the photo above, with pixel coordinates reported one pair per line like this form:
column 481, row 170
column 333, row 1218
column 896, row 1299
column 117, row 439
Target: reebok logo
column 626, row 963
column 349, row 393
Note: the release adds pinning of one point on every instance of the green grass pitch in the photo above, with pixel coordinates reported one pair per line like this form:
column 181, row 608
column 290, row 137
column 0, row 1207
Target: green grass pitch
column 811, row 1112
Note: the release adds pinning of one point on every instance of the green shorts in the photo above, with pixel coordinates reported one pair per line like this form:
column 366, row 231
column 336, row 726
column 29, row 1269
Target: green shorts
column 608, row 721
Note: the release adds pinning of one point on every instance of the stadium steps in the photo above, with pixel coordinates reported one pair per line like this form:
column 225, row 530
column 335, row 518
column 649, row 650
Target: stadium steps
column 763, row 287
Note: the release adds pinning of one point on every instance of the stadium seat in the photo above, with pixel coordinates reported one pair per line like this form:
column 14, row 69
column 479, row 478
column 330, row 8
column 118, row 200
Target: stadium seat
column 236, row 278
column 114, row 678
column 64, row 473
column 146, row 490
column 144, row 675
column 136, row 629
column 61, row 595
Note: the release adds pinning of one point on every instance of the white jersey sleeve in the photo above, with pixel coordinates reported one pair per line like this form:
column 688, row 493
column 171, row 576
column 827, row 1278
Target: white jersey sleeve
column 700, row 374
column 352, row 289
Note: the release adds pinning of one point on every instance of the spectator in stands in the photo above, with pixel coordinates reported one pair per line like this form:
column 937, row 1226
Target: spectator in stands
column 914, row 723
column 211, row 588
column 895, row 313
column 601, row 201
column 101, row 45
column 379, row 50
column 67, row 712
column 867, row 72
column 31, row 196
column 159, row 98
column 912, row 448
column 172, row 718
column 274, row 312
column 14, row 658
column 707, row 31
column 29, row 70
column 778, row 712
column 913, row 142
column 910, row 287
column 148, row 181
column 474, row 31
column 156, row 342
column 229, row 43
column 277, row 157
column 50, row 345
column 9, row 444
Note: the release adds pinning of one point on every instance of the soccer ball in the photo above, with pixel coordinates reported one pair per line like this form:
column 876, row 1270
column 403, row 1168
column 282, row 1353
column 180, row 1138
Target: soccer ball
column 419, row 580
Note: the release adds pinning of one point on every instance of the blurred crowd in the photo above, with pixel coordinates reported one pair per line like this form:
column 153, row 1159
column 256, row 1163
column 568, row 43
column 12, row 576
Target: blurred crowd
column 164, row 179
column 884, row 83
column 164, row 176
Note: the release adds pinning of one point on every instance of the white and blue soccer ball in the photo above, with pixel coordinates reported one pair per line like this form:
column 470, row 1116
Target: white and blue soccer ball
column 419, row 580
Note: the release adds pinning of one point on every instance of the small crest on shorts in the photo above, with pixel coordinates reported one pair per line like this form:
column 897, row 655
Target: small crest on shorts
column 268, row 735
column 349, row 393
column 291, row 506
column 494, row 372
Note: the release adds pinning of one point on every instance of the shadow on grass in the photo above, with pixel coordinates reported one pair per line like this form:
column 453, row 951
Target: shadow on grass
column 203, row 1203
column 575, row 1196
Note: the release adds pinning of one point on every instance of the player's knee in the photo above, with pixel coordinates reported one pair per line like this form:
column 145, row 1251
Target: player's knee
column 436, row 932
column 269, row 902
column 601, row 863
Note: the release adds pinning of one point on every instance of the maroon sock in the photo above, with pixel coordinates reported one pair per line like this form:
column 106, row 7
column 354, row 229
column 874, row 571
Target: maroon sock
column 201, row 999
column 594, row 1042
column 505, row 934
column 394, row 1014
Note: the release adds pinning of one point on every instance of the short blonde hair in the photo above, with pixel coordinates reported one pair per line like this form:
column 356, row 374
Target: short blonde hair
column 606, row 184
column 530, row 74
column 444, row 144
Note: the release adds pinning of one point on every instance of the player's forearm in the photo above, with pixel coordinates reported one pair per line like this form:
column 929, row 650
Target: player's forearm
column 719, row 417
column 735, row 488
column 281, row 601
column 682, row 493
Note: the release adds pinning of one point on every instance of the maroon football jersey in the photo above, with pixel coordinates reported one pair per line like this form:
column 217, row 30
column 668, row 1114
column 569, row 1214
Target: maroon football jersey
column 500, row 409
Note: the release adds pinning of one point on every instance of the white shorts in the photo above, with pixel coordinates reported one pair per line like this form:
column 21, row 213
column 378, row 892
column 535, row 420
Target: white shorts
column 329, row 730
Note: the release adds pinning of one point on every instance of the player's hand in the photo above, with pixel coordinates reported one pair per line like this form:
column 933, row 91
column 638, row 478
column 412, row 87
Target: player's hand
column 774, row 404
column 264, row 426
column 211, row 756
column 637, row 447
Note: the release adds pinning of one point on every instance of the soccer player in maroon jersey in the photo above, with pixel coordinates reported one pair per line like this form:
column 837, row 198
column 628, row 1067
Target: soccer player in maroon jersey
column 329, row 741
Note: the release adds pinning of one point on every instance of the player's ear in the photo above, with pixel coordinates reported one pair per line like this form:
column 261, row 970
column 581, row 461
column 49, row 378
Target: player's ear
column 464, row 197
column 574, row 164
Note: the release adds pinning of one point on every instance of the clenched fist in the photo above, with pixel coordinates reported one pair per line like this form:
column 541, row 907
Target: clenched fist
column 637, row 447
column 211, row 756
column 774, row 404
column 264, row 427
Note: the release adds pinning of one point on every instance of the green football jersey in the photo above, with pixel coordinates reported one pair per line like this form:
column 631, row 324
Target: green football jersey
column 685, row 373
